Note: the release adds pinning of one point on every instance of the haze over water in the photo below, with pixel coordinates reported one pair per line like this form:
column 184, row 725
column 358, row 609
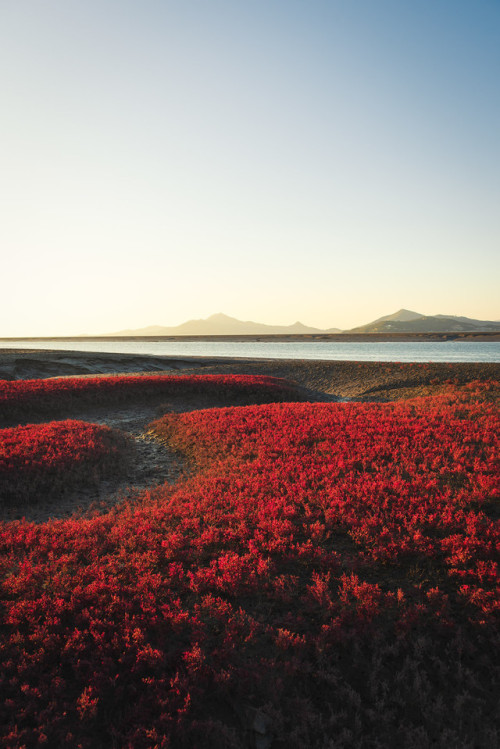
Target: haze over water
column 449, row 351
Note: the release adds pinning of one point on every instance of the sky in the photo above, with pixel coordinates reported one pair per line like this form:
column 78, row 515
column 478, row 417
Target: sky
column 275, row 160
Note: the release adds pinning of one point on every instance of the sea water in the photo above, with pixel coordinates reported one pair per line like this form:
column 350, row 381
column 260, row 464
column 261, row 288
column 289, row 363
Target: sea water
column 442, row 351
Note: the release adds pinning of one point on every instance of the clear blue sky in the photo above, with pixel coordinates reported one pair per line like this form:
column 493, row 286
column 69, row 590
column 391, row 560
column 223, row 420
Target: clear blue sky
column 274, row 160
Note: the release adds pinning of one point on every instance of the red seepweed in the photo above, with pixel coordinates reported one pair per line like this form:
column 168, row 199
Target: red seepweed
column 32, row 396
column 37, row 459
column 330, row 567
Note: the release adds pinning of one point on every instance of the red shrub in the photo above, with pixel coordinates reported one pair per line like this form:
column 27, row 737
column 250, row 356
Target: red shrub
column 330, row 574
column 37, row 396
column 50, row 458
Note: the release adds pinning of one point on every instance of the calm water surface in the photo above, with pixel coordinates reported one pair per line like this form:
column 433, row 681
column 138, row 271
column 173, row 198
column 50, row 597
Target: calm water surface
column 449, row 351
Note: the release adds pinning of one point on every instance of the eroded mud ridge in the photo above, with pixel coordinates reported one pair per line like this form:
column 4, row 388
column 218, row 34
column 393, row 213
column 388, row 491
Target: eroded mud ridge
column 32, row 364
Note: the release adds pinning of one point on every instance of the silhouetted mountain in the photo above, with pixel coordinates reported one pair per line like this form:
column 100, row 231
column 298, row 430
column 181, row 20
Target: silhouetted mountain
column 405, row 321
column 402, row 315
column 402, row 321
column 470, row 320
column 220, row 324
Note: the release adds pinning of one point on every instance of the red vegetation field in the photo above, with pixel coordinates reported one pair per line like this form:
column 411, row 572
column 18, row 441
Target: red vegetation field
column 18, row 397
column 38, row 458
column 327, row 578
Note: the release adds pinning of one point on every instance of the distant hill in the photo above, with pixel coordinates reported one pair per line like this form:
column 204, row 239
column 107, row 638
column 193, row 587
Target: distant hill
column 402, row 315
column 220, row 324
column 406, row 321
column 402, row 321
column 469, row 320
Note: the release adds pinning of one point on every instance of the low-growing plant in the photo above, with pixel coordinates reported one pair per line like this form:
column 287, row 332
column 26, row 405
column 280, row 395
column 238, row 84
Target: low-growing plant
column 46, row 460
column 20, row 397
column 327, row 578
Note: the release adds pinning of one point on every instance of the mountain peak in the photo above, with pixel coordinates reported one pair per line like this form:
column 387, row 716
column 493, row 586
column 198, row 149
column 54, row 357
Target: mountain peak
column 220, row 316
column 402, row 315
column 404, row 311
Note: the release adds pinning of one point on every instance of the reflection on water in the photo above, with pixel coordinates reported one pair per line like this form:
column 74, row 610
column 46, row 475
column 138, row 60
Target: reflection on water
column 449, row 351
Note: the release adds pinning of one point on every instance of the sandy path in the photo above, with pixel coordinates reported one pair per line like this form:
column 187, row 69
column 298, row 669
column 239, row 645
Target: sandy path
column 148, row 464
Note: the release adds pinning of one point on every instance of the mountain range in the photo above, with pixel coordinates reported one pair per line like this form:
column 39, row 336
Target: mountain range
column 402, row 321
column 406, row 321
column 220, row 324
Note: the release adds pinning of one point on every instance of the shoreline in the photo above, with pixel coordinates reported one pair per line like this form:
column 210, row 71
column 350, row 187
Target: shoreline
column 365, row 380
column 465, row 336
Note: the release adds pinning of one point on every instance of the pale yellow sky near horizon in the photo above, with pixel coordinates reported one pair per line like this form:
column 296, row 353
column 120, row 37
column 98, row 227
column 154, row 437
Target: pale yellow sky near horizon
column 275, row 161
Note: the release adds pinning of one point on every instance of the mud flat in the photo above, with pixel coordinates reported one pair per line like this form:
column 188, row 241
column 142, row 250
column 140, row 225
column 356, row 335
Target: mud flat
column 24, row 364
